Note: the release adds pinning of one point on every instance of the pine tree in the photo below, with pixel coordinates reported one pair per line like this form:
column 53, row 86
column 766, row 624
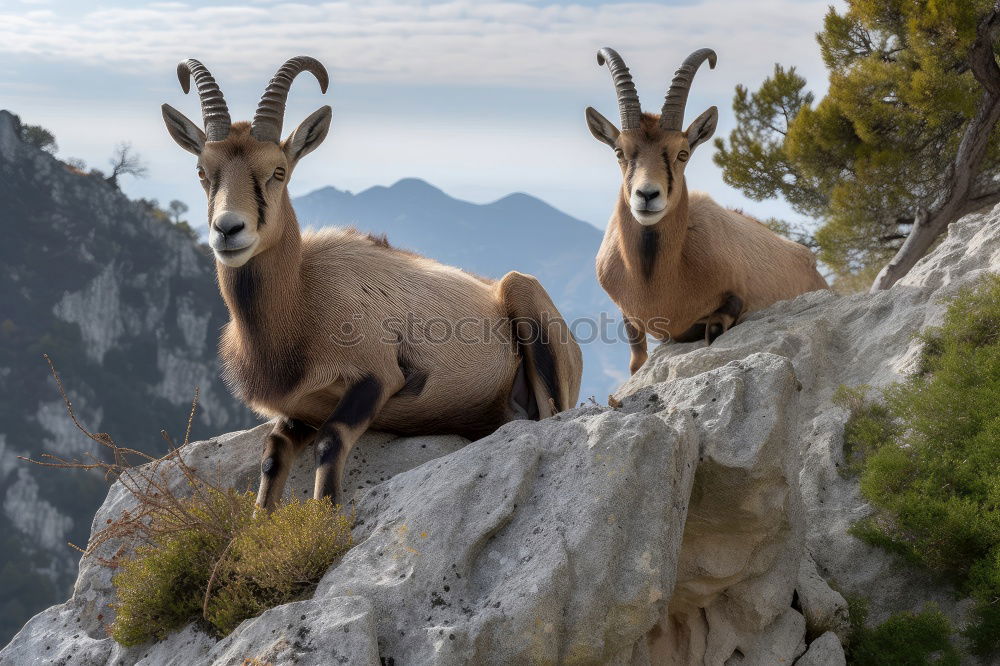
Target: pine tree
column 903, row 143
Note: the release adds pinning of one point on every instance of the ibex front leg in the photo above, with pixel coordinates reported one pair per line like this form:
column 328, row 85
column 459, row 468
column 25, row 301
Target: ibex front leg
column 354, row 413
column 722, row 319
column 637, row 343
column 283, row 446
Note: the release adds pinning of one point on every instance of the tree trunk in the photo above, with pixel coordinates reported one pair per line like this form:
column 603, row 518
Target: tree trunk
column 958, row 198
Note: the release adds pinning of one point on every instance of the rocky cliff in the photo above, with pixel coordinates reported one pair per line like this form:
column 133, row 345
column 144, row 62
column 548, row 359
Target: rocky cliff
column 126, row 305
column 698, row 522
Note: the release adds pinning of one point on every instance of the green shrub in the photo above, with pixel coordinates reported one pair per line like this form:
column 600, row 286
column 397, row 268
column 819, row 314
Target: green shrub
column 200, row 552
column 278, row 559
column 929, row 457
column 226, row 565
column 869, row 426
column 905, row 639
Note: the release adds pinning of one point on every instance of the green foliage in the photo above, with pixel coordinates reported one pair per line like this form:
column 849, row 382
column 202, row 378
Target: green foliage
column 905, row 639
column 277, row 559
column 983, row 631
column 754, row 160
column 243, row 564
column 876, row 148
column 869, row 426
column 39, row 137
column 186, row 228
column 929, row 455
column 796, row 232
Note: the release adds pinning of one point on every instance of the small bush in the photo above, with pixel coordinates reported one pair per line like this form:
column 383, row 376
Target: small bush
column 929, row 457
column 201, row 555
column 193, row 574
column 39, row 137
column 277, row 559
column 905, row 639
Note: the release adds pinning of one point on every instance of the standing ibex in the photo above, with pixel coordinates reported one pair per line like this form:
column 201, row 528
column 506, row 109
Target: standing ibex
column 682, row 267
column 335, row 331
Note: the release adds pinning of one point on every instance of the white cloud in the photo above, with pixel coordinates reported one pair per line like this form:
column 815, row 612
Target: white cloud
column 496, row 43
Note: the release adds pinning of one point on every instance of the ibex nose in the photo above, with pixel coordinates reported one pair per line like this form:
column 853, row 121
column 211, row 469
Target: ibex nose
column 229, row 224
column 648, row 194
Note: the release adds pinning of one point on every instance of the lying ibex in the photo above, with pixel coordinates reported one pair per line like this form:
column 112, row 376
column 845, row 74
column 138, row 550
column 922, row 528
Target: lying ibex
column 335, row 331
column 681, row 267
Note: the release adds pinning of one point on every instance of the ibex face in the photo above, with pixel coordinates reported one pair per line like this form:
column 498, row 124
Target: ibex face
column 242, row 166
column 652, row 150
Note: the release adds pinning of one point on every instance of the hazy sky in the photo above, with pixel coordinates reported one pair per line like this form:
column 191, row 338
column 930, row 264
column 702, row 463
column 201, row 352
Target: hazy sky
column 479, row 98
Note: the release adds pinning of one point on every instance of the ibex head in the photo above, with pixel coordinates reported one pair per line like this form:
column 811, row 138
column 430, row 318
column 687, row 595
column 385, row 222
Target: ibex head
column 243, row 167
column 652, row 150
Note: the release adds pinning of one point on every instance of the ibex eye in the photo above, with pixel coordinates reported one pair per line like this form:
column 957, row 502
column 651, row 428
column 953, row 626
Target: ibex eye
column 619, row 153
column 682, row 156
column 201, row 173
column 279, row 173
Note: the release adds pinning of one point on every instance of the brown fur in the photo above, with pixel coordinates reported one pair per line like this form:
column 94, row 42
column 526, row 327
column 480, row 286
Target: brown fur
column 301, row 297
column 704, row 253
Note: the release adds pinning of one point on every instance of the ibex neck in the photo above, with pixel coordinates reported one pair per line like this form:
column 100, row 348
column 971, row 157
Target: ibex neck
column 264, row 294
column 655, row 249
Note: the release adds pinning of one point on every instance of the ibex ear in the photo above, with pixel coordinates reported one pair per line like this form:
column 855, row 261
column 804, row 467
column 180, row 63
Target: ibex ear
column 703, row 127
column 307, row 136
column 187, row 135
column 602, row 128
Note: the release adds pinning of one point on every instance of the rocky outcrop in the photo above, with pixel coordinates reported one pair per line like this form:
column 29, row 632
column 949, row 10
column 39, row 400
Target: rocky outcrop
column 824, row 651
column 697, row 522
column 865, row 339
column 576, row 539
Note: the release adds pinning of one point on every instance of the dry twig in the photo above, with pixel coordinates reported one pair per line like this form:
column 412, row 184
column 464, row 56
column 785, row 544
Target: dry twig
column 160, row 509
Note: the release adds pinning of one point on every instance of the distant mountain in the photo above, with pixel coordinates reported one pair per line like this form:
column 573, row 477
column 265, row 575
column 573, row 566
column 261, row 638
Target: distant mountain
column 125, row 303
column 517, row 232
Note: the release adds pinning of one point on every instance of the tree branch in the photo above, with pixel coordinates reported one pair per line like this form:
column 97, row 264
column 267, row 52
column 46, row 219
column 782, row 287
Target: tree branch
column 957, row 197
column 982, row 58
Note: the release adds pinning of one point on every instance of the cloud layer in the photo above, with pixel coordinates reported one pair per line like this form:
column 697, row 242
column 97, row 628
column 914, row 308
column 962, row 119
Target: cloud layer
column 464, row 42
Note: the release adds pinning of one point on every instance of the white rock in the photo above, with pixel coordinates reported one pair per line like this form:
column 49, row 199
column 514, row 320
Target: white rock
column 312, row 633
column 97, row 309
column 744, row 534
column 848, row 340
column 674, row 529
column 551, row 541
column 824, row 651
column 824, row 609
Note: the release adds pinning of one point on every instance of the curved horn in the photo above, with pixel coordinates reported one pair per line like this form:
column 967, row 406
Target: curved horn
column 214, row 111
column 628, row 99
column 672, row 115
column 266, row 125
